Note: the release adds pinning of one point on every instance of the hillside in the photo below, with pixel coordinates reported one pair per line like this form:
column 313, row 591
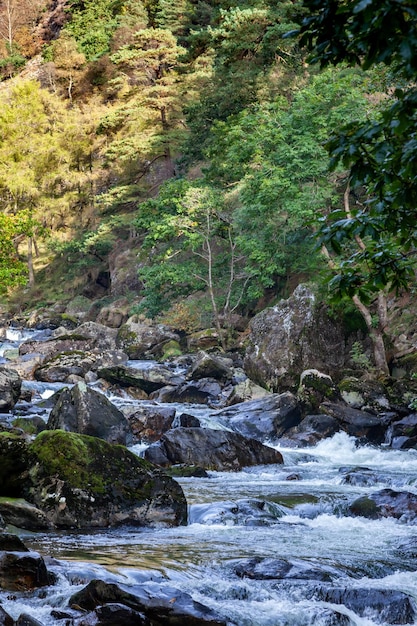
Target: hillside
column 172, row 158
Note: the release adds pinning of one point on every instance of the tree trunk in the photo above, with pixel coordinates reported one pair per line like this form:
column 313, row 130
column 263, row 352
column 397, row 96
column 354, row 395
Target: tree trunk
column 30, row 262
column 376, row 333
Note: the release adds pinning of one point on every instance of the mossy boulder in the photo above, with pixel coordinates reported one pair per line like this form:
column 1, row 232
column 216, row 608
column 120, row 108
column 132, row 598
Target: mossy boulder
column 81, row 482
column 14, row 462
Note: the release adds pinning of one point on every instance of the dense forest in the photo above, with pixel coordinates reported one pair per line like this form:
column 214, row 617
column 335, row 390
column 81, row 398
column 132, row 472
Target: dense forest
column 238, row 148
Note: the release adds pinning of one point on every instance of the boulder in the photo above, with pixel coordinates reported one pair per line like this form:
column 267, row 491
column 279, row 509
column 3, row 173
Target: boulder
column 86, row 411
column 18, row 512
column 265, row 419
column 316, row 387
column 142, row 340
column 357, row 423
column 22, row 571
column 210, row 366
column 64, row 365
column 160, row 604
column 113, row 614
column 14, row 462
column 148, row 379
column 369, row 395
column 10, row 386
column 11, row 543
column 211, row 449
column 82, row 482
column 384, row 605
column 204, row 391
column 271, row 568
column 402, row 433
column 243, row 512
column 294, row 335
column 148, row 422
column 401, row 505
column 311, row 430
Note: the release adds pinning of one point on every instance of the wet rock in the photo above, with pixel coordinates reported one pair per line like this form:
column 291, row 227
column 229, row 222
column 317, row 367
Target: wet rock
column 30, row 425
column 27, row 620
column 86, row 411
column 82, row 482
column 5, row 618
column 11, row 543
column 294, row 335
column 403, row 433
column 160, row 604
column 384, row 605
column 64, row 365
column 361, row 476
column 10, row 386
column 212, row 449
column 114, row 614
column 149, row 421
column 204, row 391
column 356, row 423
column 56, row 345
column 272, row 568
column 186, row 471
column 244, row 512
column 311, row 430
column 22, row 571
column 146, row 378
column 188, row 421
column 20, row 513
column 266, row 418
column 401, row 505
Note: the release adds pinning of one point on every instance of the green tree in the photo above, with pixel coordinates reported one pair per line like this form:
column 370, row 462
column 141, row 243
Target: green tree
column 380, row 152
column 272, row 159
column 374, row 235
column 37, row 153
column 191, row 243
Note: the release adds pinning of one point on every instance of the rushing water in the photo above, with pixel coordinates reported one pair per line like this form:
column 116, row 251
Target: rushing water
column 304, row 519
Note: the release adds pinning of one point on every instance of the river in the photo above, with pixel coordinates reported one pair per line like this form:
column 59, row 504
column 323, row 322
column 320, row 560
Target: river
column 296, row 511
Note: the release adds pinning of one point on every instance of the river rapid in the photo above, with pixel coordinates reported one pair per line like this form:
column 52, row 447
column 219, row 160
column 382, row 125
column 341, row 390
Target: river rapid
column 296, row 511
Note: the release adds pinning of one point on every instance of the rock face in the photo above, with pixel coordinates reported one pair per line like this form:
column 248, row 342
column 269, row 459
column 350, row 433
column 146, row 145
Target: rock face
column 211, row 449
column 291, row 337
column 10, row 385
column 85, row 411
column 141, row 340
column 77, row 481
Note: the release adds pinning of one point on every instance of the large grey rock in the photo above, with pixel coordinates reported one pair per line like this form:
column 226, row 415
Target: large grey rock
column 148, row 379
column 61, row 367
column 10, row 386
column 148, row 422
column 141, row 340
column 400, row 505
column 294, row 335
column 266, row 418
column 211, row 449
column 160, row 604
column 86, row 411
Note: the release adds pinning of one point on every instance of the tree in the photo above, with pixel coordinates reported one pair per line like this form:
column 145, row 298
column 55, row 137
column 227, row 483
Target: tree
column 38, row 149
column 271, row 157
column 13, row 271
column 192, row 247
column 380, row 152
column 17, row 19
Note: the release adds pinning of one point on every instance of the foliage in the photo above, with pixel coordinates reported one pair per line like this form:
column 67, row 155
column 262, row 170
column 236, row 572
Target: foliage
column 274, row 154
column 379, row 152
column 189, row 239
column 13, row 270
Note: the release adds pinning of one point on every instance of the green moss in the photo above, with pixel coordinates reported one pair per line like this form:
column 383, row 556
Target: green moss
column 86, row 462
column 26, row 425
